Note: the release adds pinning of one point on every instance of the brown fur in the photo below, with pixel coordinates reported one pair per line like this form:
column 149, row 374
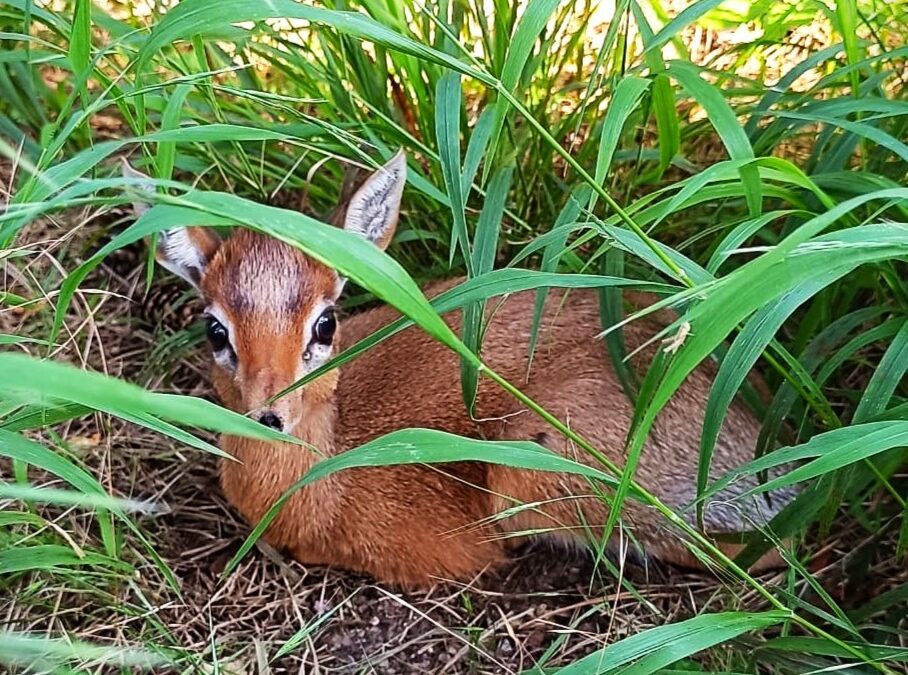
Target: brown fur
column 411, row 524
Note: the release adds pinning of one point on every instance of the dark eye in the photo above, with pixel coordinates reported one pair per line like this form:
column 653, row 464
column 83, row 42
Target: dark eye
column 217, row 334
column 325, row 326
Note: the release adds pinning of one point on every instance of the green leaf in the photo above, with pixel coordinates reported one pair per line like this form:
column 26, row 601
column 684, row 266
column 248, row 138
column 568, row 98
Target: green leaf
column 552, row 253
column 846, row 12
column 684, row 18
column 531, row 24
column 21, row 449
column 624, row 101
column 476, row 148
column 20, row 339
column 41, row 652
column 668, row 127
column 170, row 120
column 49, row 557
column 611, row 311
column 118, row 505
column 726, row 125
column 862, row 129
column 649, row 651
column 447, row 130
column 742, row 232
column 485, row 246
column 486, row 242
column 832, row 450
column 80, row 44
column 887, row 375
column 737, row 363
column 756, row 284
column 201, row 17
column 801, row 645
column 29, row 379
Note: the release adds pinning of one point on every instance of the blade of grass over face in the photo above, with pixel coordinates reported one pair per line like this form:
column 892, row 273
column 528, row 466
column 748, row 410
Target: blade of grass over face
column 477, row 289
column 30, row 379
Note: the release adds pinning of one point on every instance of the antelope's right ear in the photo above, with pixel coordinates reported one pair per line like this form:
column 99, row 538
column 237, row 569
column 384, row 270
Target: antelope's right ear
column 184, row 251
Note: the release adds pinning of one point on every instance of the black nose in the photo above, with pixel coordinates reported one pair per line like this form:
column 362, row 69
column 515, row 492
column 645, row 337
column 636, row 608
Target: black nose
column 269, row 419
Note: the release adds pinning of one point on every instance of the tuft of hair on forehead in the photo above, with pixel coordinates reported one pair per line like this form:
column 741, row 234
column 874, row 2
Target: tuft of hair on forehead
column 256, row 273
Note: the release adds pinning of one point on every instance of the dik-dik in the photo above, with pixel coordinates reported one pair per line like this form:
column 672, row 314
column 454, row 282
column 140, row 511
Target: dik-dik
column 272, row 317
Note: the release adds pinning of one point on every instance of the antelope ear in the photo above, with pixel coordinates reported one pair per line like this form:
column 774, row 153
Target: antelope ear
column 142, row 183
column 184, row 251
column 374, row 209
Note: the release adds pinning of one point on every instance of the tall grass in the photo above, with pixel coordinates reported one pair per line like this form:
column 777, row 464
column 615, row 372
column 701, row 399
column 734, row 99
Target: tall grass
column 546, row 154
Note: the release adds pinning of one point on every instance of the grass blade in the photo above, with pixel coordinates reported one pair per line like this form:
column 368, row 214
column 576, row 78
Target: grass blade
column 653, row 649
column 531, row 24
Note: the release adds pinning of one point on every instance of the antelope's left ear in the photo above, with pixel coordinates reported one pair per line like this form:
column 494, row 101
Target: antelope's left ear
column 184, row 251
column 374, row 209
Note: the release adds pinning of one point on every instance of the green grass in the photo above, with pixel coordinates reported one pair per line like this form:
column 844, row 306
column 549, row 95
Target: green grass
column 539, row 161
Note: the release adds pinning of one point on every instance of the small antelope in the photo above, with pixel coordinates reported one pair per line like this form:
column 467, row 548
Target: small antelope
column 272, row 317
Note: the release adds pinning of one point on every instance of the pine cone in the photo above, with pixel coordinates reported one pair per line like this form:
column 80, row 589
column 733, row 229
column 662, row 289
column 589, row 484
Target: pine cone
column 168, row 303
column 171, row 305
column 125, row 261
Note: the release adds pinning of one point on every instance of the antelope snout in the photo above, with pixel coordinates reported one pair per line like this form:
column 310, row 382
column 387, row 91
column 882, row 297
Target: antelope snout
column 271, row 419
column 281, row 414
